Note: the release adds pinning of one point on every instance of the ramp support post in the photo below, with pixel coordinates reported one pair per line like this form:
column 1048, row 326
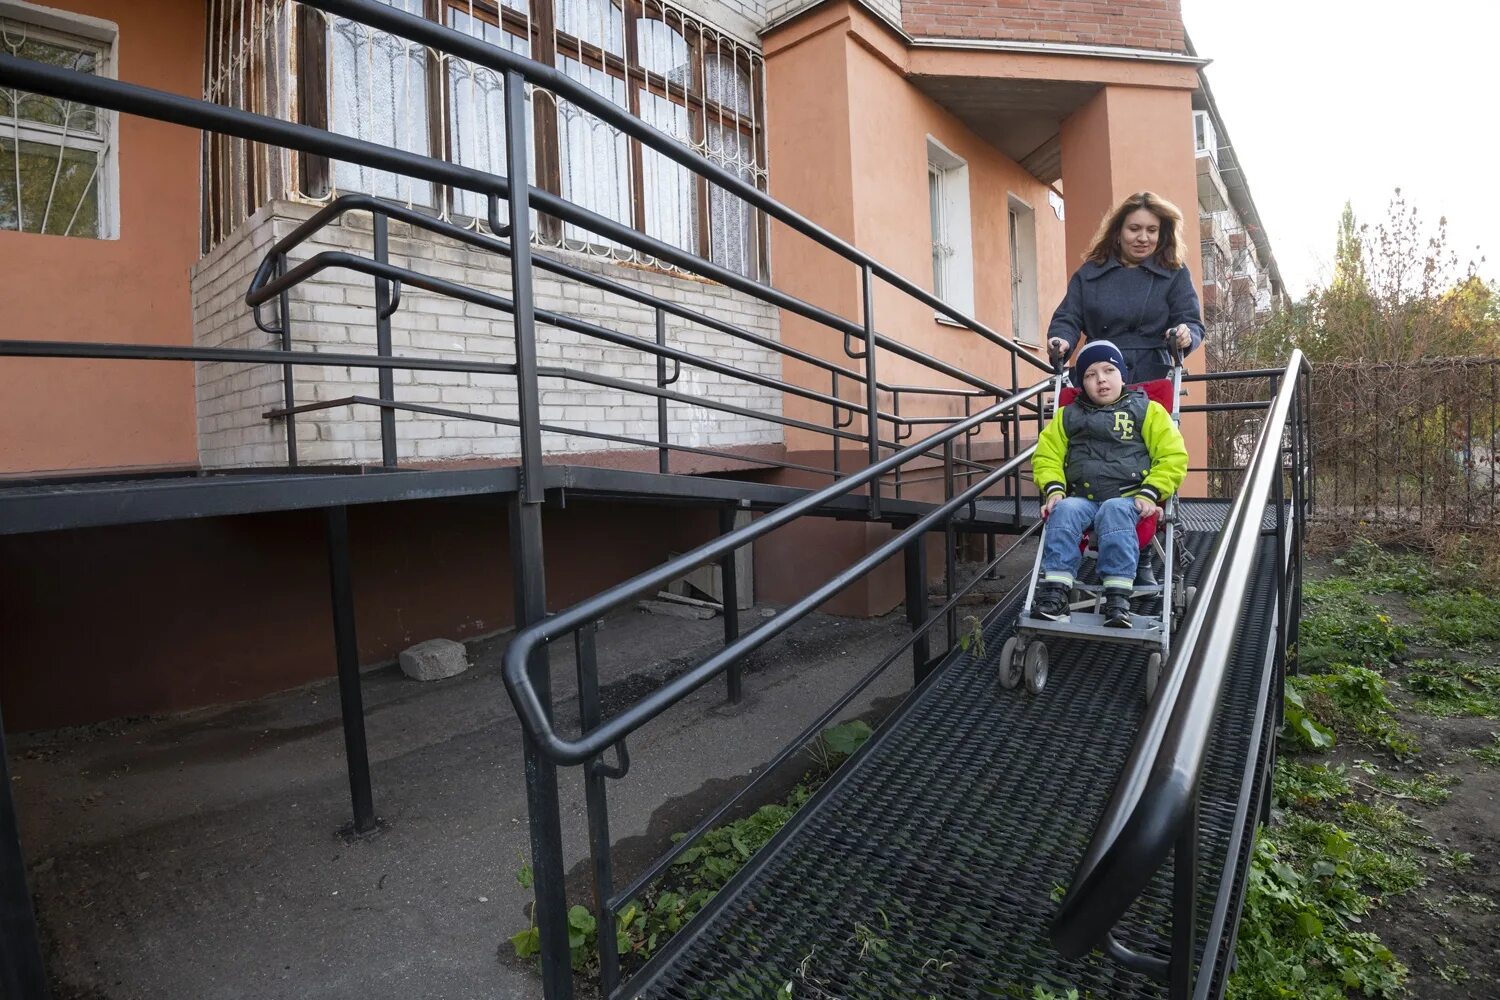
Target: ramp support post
column 22, row 971
column 916, row 607
column 346, row 654
column 1184, row 908
column 729, row 590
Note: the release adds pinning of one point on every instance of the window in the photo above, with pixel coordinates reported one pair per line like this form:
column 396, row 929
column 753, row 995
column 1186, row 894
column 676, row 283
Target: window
column 649, row 59
column 57, row 158
column 1021, row 226
column 952, row 246
column 1205, row 139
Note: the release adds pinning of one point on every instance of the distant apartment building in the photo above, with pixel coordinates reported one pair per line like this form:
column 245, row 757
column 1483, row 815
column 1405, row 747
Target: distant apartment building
column 1241, row 282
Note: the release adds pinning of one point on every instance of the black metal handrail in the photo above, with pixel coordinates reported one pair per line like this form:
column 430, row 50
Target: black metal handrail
column 331, row 213
column 272, row 280
column 113, row 94
column 1152, row 808
column 535, row 716
column 444, row 39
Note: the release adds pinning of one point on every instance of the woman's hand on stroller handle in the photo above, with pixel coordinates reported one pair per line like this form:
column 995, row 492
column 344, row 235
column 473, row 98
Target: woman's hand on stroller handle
column 1057, row 352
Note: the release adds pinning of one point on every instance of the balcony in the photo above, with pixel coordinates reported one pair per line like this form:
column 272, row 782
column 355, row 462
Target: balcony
column 1213, row 235
column 1212, row 196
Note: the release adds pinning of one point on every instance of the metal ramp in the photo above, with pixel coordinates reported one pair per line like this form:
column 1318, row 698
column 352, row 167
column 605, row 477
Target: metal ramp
column 984, row 842
column 928, row 867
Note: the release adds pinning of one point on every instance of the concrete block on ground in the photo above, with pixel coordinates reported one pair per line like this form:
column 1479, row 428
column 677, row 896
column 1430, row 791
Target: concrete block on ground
column 434, row 660
column 676, row 610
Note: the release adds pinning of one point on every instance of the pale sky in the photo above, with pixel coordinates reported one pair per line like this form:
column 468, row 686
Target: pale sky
column 1334, row 100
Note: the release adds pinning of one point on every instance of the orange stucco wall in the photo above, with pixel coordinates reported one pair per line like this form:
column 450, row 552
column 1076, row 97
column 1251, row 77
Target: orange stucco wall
column 71, row 415
column 855, row 160
column 1124, row 140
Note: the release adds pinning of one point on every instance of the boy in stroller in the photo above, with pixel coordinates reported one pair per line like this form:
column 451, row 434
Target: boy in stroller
column 1106, row 460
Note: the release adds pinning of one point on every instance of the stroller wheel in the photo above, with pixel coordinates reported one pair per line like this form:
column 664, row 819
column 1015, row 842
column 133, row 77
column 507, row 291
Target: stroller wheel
column 1009, row 666
column 1153, row 675
column 1035, row 666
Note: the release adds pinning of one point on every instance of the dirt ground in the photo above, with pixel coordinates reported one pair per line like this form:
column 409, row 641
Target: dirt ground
column 198, row 856
column 1447, row 931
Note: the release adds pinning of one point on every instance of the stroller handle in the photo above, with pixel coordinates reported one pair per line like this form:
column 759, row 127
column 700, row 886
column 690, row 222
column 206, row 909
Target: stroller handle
column 1056, row 357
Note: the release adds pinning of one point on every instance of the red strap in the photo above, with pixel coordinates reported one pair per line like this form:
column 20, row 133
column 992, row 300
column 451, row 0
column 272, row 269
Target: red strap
column 1158, row 389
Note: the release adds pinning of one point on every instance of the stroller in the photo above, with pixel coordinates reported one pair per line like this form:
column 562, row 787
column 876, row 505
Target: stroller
column 1024, row 655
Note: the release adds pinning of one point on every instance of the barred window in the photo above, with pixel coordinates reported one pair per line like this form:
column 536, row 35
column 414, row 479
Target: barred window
column 647, row 57
column 57, row 158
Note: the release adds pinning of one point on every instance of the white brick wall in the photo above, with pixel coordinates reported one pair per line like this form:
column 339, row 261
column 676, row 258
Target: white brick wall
column 334, row 311
column 776, row 10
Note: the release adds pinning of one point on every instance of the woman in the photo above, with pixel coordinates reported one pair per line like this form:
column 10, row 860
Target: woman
column 1133, row 289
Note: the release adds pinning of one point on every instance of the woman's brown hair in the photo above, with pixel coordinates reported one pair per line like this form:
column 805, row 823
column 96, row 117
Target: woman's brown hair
column 1106, row 243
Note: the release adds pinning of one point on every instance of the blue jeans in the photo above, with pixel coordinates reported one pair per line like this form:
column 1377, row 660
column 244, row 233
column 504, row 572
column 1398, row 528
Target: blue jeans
column 1114, row 535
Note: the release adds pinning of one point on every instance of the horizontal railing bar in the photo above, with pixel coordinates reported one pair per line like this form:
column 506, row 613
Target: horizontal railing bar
column 1229, row 376
column 552, row 428
column 933, row 390
column 362, row 202
column 442, row 286
column 812, row 729
column 535, row 718
column 1221, row 407
column 240, row 355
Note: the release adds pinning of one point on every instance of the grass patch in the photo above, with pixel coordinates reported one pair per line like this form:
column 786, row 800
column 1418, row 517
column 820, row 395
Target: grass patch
column 1487, row 755
column 1448, row 688
column 699, row 872
column 1458, row 619
column 1340, row 625
column 1346, row 699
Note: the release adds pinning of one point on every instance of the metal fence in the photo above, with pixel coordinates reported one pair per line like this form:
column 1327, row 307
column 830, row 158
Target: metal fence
column 1398, row 445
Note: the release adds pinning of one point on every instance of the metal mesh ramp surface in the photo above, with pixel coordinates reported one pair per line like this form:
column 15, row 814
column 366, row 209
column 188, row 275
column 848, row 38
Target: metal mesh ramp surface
column 929, row 868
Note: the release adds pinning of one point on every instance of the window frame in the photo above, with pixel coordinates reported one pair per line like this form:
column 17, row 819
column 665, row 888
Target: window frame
column 1020, row 219
column 949, row 210
column 80, row 31
column 549, row 45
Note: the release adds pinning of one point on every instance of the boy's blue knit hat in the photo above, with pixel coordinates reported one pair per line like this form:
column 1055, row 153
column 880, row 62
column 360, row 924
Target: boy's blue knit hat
column 1094, row 352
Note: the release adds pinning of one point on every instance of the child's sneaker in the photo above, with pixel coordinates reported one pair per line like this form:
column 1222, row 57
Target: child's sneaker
column 1117, row 608
column 1051, row 602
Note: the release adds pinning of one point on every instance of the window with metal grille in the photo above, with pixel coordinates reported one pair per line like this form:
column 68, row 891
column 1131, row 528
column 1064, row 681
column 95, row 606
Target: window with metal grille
column 57, row 160
column 648, row 57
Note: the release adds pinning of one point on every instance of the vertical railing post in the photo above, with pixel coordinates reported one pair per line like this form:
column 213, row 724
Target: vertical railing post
column 916, row 606
column 663, row 459
column 597, row 804
column 346, row 653
column 288, row 381
column 950, row 546
column 387, row 377
column 729, row 590
column 872, row 409
column 1184, row 908
column 527, row 567
column 896, row 433
column 834, row 392
column 1015, row 434
column 22, row 971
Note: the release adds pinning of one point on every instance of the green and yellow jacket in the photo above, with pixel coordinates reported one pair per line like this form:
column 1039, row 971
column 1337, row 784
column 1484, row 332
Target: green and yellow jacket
column 1128, row 447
